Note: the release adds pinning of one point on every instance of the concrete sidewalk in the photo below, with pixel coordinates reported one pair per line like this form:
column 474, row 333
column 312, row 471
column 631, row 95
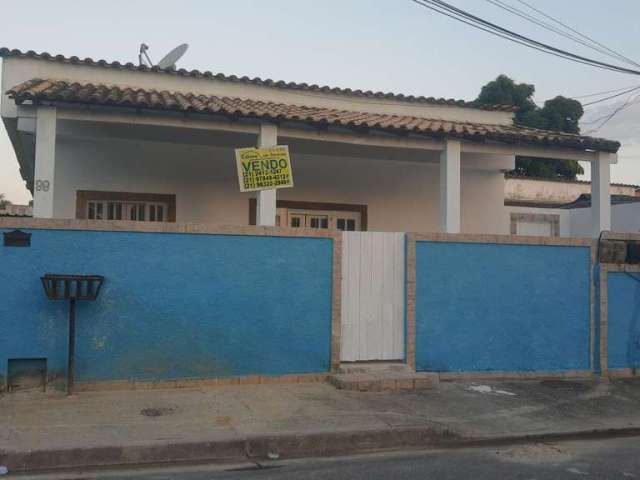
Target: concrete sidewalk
column 234, row 422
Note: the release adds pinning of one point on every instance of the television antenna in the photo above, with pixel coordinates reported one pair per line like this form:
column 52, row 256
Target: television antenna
column 167, row 62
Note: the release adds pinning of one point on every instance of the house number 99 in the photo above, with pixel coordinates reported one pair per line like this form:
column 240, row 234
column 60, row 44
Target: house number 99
column 42, row 185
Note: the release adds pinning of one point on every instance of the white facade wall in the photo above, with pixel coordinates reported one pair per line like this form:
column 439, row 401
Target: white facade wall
column 577, row 222
column 625, row 218
column 400, row 196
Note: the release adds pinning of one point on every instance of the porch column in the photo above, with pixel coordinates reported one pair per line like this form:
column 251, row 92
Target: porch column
column 450, row 187
column 266, row 204
column 600, row 194
column 45, row 162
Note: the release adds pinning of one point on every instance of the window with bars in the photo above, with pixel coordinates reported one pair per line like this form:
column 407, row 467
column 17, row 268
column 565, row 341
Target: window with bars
column 318, row 219
column 137, row 207
column 119, row 210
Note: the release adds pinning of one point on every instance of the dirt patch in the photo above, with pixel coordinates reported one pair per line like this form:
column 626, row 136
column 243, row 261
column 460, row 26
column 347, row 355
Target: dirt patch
column 535, row 454
column 566, row 385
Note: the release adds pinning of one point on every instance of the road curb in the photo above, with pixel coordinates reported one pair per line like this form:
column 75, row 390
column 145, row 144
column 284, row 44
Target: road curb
column 278, row 446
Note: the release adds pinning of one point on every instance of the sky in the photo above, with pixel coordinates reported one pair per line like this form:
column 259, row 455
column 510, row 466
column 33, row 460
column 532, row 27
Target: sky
column 386, row 45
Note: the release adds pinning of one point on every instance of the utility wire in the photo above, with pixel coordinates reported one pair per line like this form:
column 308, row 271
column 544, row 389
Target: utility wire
column 611, row 96
column 435, row 9
column 523, row 2
column 516, row 36
column 596, row 120
column 611, row 115
column 633, row 276
column 575, row 97
column 548, row 26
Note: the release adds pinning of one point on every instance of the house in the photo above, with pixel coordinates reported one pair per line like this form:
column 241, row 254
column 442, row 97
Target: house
column 106, row 141
column 130, row 167
column 561, row 208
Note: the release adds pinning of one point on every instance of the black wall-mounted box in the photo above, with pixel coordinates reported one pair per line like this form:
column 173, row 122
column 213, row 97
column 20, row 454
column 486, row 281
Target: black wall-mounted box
column 17, row 238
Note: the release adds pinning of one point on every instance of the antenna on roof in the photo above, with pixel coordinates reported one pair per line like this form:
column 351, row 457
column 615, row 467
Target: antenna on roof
column 167, row 62
column 170, row 59
column 142, row 55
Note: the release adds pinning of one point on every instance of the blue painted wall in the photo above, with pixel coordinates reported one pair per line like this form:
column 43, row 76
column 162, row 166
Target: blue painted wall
column 490, row 307
column 172, row 305
column 623, row 292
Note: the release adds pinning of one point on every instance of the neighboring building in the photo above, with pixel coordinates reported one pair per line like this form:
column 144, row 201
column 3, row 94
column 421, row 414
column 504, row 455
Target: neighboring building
column 562, row 208
column 11, row 210
column 102, row 140
column 625, row 215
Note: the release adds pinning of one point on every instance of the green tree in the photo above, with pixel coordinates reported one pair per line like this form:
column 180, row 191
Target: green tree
column 562, row 114
column 3, row 201
column 559, row 114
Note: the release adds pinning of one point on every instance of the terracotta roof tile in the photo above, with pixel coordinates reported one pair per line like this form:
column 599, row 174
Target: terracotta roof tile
column 6, row 52
column 62, row 91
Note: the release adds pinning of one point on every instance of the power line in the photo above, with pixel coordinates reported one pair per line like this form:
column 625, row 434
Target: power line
column 523, row 2
column 612, row 114
column 476, row 22
column 597, row 94
column 624, row 107
column 611, row 96
column 547, row 26
column 435, row 9
column 633, row 276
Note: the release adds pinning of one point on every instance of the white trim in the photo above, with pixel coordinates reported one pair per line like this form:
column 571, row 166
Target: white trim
column 600, row 195
column 450, row 187
column 266, row 199
column 45, row 164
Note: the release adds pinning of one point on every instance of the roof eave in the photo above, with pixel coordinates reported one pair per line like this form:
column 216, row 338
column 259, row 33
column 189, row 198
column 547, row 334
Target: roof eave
column 74, row 60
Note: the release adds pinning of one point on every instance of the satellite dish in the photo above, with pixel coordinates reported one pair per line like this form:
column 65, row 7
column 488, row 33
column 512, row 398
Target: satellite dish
column 170, row 59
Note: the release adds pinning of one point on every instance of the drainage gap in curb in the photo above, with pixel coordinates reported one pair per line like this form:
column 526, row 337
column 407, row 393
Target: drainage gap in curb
column 157, row 411
column 255, row 466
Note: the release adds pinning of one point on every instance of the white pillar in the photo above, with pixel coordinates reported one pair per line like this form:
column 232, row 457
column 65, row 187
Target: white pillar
column 450, row 187
column 266, row 209
column 600, row 194
column 44, row 176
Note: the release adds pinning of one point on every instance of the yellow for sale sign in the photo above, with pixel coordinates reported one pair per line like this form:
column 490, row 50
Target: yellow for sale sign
column 264, row 168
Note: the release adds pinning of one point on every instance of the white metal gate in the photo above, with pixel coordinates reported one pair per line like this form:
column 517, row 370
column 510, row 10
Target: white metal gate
column 373, row 296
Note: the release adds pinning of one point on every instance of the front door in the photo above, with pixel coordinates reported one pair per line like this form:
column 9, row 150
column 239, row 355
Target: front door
column 373, row 296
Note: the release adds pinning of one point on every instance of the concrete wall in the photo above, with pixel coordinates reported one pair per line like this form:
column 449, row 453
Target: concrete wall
column 550, row 191
column 16, row 210
column 623, row 320
column 488, row 307
column 173, row 305
column 401, row 196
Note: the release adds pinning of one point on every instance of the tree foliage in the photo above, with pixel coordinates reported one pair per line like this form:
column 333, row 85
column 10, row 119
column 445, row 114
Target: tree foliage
column 559, row 114
column 3, row 201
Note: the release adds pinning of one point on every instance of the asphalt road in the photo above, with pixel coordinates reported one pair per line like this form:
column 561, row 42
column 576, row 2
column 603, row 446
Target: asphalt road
column 599, row 459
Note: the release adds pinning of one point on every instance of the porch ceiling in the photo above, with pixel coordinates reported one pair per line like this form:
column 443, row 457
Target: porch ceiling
column 229, row 139
column 120, row 96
